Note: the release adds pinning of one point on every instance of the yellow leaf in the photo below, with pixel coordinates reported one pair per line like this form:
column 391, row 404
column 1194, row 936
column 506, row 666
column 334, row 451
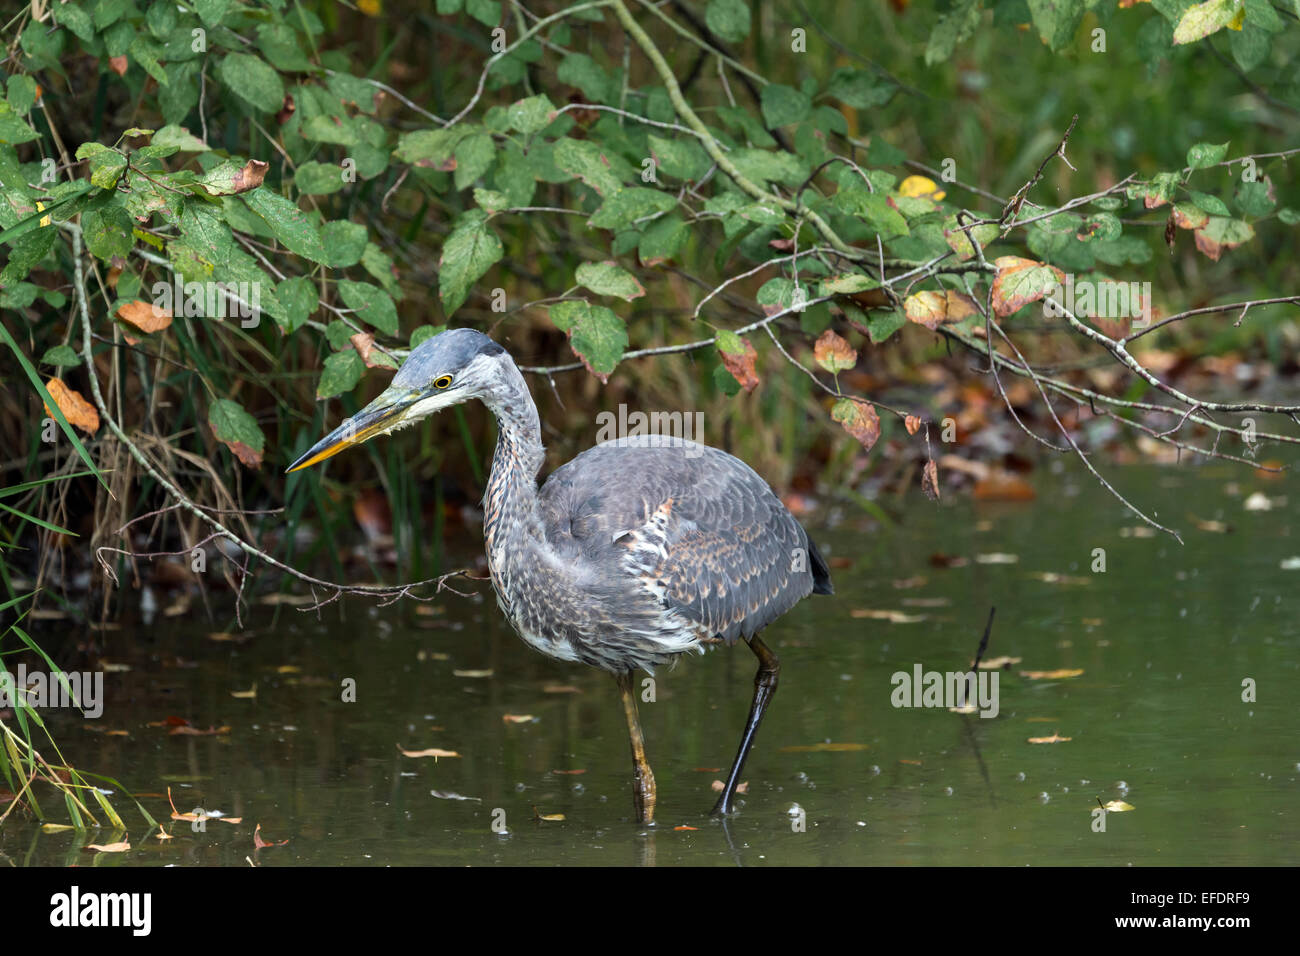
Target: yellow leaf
column 919, row 187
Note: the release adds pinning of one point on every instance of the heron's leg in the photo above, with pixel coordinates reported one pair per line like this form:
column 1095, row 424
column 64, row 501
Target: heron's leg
column 643, row 793
column 769, row 668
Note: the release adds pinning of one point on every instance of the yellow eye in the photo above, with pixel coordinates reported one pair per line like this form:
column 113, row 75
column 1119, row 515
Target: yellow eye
column 442, row 381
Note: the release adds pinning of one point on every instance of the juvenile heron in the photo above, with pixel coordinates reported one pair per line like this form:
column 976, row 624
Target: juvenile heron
column 636, row 552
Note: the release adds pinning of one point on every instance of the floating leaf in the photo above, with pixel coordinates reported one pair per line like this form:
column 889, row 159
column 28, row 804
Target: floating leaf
column 430, row 752
column 1054, row 739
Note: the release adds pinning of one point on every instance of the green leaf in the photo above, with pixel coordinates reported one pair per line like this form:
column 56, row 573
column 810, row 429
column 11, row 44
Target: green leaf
column 872, row 208
column 371, row 304
column 609, row 278
column 783, row 105
column 729, row 342
column 287, row 223
column 300, row 300
column 1255, row 199
column 1057, row 20
column 329, row 129
column 21, row 93
column 1203, row 155
column 60, row 355
column 596, row 335
column 586, row 161
column 491, row 200
column 630, row 204
column 344, row 243
column 341, row 373
column 580, row 70
column 662, row 240
column 881, row 325
column 1202, row 19
column 249, row 78
column 680, row 158
column 953, row 28
column 75, row 17
column 318, row 179
column 761, row 165
column 234, row 426
column 729, row 19
column 468, row 253
column 107, row 231
column 474, row 156
column 424, row 332
column 531, row 115
column 861, row 89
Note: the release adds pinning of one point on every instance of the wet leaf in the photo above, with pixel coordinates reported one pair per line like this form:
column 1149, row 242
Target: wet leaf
column 472, row 673
column 250, row 694
column 548, row 817
column 121, row 847
column 1054, row 739
column 718, row 786
column 260, row 844
column 430, row 752
column 1060, row 674
column 449, row 795
column 823, row 747
column 998, row 663
column 188, row 731
column 518, row 718
column 1117, row 806
column 569, row 773
column 893, row 617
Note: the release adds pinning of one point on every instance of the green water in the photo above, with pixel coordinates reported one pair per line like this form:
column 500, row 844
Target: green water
column 1165, row 638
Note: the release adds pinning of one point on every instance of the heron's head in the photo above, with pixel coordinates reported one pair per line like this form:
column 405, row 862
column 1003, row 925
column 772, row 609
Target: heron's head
column 448, row 369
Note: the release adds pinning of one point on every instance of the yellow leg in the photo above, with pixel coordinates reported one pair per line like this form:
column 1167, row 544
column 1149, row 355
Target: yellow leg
column 643, row 793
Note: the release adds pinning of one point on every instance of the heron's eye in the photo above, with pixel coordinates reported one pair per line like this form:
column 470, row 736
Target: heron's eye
column 442, row 381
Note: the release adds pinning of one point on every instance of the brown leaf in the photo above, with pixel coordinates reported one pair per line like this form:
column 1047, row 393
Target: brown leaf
column 110, row 847
column 364, row 343
column 1002, row 485
column 823, row 747
column 145, row 316
column 1052, row 675
column 259, row 843
column 287, row 109
column 118, row 65
column 518, row 718
column 1008, row 297
column 250, row 177
column 742, row 366
column 718, row 786
column 76, row 409
column 185, row 731
column 430, row 752
column 932, row 309
column 834, row 353
column 859, row 419
column 930, row 479
column 912, row 423
column 1054, row 739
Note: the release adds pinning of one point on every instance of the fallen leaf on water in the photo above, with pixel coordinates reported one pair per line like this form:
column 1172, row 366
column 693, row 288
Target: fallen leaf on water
column 288, row 669
column 1140, row 531
column 472, row 673
column 1051, row 577
column 518, row 718
column 1091, row 621
column 1043, row 720
column 966, row 709
column 571, row 773
column 296, row 600
column 560, row 689
column 718, row 786
column 1052, row 675
column 914, row 763
column 685, row 828
column 549, row 817
column 1054, row 739
column 999, row 663
column 904, row 583
column 431, row 752
column 245, row 694
column 163, row 835
column 997, row 558
column 450, row 795
column 261, row 844
column 941, row 560
column 823, row 747
column 188, row 731
column 1217, row 527
column 110, row 847
column 706, row 769
column 55, row 827
column 1290, row 564
column 227, row 637
column 926, row 602
column 893, row 617
column 1117, row 806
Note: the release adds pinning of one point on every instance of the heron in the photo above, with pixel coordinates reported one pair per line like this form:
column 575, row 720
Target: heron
column 638, row 551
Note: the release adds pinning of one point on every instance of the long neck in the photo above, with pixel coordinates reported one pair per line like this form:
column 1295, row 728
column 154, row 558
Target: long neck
column 510, row 512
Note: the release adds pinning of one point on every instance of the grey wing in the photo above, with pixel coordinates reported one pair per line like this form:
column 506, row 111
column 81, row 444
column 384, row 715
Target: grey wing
column 697, row 527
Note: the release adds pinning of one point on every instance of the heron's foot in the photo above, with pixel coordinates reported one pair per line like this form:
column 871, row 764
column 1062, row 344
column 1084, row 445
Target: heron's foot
column 724, row 807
